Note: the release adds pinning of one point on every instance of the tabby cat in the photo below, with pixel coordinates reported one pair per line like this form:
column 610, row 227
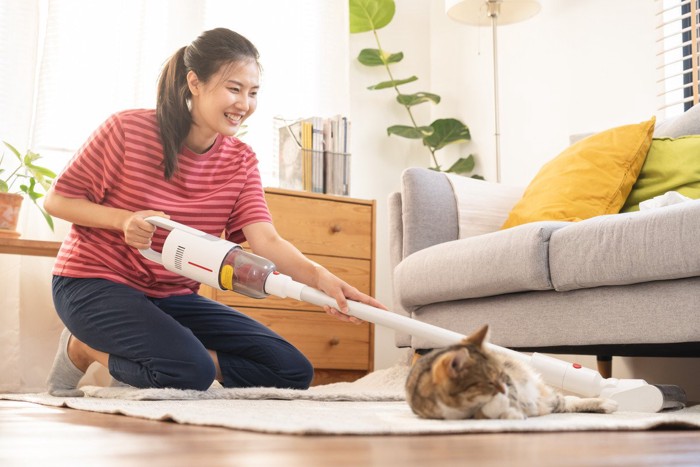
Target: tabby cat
column 469, row 380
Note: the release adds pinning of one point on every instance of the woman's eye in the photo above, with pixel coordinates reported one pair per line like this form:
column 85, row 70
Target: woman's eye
column 234, row 89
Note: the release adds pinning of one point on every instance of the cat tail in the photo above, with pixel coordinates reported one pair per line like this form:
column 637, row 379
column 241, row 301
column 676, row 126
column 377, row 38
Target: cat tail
column 587, row 404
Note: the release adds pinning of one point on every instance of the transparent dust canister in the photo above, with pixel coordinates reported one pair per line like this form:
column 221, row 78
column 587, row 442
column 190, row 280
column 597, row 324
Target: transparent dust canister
column 245, row 273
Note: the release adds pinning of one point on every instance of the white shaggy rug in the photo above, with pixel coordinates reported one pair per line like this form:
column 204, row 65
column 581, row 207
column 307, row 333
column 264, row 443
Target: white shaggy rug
column 373, row 405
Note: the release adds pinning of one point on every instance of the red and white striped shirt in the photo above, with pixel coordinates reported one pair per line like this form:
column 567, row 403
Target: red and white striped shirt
column 121, row 166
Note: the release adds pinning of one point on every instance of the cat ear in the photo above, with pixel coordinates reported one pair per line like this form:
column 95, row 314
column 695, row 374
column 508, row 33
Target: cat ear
column 479, row 337
column 448, row 365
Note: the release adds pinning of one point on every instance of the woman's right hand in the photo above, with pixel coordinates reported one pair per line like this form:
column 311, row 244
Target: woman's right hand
column 137, row 231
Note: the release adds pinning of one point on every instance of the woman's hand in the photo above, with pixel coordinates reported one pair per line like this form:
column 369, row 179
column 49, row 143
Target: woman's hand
column 341, row 291
column 137, row 231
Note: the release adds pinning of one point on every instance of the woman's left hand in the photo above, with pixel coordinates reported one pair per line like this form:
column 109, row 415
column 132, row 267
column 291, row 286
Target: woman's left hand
column 341, row 291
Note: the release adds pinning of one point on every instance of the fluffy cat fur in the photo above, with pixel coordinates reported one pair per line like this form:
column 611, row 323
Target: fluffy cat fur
column 468, row 380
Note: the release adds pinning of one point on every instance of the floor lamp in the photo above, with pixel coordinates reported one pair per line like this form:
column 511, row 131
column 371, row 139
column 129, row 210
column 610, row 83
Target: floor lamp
column 495, row 13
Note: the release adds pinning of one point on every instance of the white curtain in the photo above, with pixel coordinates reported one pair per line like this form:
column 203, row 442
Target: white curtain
column 67, row 64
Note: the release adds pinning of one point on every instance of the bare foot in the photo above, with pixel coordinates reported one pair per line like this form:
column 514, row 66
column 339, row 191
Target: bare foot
column 78, row 354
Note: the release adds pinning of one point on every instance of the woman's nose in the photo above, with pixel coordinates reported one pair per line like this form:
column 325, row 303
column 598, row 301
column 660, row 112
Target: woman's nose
column 243, row 103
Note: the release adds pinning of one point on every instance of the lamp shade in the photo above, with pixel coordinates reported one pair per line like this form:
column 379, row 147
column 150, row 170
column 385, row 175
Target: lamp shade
column 479, row 12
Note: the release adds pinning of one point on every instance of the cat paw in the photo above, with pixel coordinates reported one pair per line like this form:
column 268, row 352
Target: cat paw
column 512, row 414
column 496, row 407
column 608, row 406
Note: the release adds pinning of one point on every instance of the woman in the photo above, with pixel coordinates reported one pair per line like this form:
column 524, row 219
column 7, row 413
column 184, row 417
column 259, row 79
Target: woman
column 182, row 161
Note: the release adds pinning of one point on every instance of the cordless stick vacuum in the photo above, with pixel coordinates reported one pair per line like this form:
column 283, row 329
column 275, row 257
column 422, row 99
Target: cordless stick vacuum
column 225, row 265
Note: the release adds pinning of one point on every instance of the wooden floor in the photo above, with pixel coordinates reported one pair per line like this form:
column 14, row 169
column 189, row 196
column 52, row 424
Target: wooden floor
column 38, row 435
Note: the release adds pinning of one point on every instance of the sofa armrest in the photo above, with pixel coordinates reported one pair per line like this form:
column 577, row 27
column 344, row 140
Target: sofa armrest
column 428, row 210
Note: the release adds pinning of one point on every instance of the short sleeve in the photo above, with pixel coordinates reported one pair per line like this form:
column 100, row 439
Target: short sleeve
column 94, row 169
column 250, row 207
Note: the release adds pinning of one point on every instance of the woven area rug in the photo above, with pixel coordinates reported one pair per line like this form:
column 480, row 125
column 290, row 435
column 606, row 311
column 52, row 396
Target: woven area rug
column 373, row 405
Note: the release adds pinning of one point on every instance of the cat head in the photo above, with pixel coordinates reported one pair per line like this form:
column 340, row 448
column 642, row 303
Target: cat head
column 468, row 368
column 456, row 381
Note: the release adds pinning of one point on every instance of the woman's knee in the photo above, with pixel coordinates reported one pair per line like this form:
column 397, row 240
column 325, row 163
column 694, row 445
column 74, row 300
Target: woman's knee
column 301, row 375
column 196, row 373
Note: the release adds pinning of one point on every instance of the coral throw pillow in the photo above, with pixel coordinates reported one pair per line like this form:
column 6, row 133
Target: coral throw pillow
column 589, row 178
column 671, row 165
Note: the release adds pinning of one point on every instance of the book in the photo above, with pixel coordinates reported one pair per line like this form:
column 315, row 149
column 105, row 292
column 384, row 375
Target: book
column 314, row 155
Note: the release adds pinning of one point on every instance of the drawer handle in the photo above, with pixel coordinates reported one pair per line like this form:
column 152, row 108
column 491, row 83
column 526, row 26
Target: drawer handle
column 336, row 228
column 334, row 341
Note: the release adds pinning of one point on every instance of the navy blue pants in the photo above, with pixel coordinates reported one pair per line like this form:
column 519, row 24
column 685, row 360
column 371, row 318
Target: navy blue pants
column 164, row 342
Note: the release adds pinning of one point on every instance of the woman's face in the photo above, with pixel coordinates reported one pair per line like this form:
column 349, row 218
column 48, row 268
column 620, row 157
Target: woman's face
column 223, row 103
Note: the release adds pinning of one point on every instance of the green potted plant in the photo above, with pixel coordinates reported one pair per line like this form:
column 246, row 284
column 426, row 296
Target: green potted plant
column 371, row 15
column 21, row 178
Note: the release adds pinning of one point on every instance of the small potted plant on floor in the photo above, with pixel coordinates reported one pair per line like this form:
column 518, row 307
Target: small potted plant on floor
column 19, row 178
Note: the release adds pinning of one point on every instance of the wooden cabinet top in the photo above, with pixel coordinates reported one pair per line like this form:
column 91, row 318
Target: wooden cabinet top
column 19, row 246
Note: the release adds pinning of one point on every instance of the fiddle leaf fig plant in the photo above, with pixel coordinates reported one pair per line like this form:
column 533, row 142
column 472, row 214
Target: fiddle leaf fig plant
column 370, row 16
column 27, row 178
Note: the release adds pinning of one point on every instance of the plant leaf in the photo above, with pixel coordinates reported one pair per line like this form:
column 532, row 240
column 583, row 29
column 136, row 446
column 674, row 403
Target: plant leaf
column 392, row 83
column 14, row 150
column 377, row 57
column 47, row 216
column 477, row 177
column 4, row 188
column 463, row 165
column 368, row 15
column 417, row 98
column 41, row 170
column 447, row 131
column 409, row 131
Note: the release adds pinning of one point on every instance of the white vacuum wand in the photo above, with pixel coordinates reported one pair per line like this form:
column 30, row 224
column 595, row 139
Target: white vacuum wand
column 226, row 266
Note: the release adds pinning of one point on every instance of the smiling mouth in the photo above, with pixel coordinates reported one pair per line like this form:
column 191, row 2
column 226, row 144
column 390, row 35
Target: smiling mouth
column 233, row 118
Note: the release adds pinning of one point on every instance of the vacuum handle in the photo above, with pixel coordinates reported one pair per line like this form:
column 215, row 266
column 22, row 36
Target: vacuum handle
column 167, row 224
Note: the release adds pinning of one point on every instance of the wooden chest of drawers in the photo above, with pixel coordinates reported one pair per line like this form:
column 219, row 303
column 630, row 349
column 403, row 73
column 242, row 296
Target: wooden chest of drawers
column 338, row 233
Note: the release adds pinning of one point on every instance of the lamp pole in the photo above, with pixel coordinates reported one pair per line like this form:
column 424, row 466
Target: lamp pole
column 497, row 13
column 494, row 8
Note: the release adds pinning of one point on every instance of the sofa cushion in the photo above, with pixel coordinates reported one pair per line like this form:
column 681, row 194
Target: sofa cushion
column 482, row 206
column 590, row 178
column 505, row 261
column 627, row 248
column 688, row 123
column 671, row 165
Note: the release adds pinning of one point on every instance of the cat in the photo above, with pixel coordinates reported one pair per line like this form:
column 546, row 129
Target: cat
column 470, row 380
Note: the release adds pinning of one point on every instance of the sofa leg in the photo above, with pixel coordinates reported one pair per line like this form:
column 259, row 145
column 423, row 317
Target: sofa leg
column 604, row 365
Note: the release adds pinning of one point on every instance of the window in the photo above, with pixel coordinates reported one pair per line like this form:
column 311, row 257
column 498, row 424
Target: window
column 677, row 28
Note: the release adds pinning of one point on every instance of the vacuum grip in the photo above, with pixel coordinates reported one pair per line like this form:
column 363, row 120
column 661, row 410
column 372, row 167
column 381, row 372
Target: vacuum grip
column 163, row 223
column 150, row 253
column 169, row 225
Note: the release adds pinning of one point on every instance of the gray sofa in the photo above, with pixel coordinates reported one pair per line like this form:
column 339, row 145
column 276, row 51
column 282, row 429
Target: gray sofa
column 622, row 284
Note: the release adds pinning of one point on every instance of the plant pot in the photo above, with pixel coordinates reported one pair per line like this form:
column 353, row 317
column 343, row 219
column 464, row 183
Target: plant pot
column 10, row 204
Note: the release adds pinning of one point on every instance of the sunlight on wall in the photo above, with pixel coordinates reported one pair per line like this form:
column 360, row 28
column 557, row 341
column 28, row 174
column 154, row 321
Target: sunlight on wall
column 96, row 58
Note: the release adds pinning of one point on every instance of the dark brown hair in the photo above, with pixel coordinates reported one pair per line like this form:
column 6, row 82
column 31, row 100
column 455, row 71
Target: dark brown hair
column 204, row 56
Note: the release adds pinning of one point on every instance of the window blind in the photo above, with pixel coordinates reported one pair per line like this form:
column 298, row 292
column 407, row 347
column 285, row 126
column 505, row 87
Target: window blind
column 677, row 55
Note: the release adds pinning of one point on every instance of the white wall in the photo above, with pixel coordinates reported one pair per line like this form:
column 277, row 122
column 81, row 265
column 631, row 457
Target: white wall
column 576, row 67
column 378, row 160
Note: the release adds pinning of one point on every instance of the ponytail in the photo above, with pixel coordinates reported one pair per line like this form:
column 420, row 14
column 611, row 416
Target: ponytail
column 172, row 110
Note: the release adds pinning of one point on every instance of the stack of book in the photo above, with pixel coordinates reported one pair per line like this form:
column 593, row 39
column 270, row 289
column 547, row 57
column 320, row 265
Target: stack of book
column 314, row 155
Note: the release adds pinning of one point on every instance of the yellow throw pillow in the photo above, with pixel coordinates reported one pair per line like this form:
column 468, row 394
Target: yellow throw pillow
column 671, row 165
column 589, row 178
